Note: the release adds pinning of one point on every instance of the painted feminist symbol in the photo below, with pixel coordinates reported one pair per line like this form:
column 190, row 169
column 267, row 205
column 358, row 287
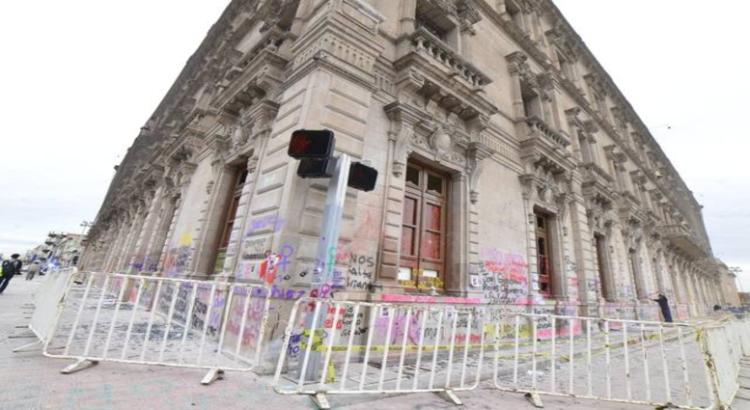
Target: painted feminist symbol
column 285, row 254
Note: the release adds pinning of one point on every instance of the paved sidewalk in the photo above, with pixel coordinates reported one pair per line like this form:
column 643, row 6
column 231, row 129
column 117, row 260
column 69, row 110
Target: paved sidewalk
column 32, row 381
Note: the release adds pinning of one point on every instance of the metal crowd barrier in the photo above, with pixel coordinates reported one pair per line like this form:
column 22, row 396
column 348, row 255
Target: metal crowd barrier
column 724, row 346
column 343, row 347
column 159, row 321
column 48, row 295
column 334, row 347
column 638, row 362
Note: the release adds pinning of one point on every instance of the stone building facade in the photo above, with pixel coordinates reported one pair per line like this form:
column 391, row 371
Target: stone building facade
column 511, row 168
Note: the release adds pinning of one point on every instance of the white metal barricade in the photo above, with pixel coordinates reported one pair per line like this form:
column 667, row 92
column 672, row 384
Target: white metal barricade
column 343, row 347
column 724, row 345
column 48, row 295
column 638, row 362
column 160, row 321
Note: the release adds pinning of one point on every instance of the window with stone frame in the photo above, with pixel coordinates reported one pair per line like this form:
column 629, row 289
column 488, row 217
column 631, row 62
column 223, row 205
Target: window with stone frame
column 634, row 266
column 435, row 21
column 565, row 67
column 230, row 215
column 544, row 258
column 583, row 142
column 514, row 12
column 621, row 126
column 601, row 104
column 531, row 101
column 607, row 287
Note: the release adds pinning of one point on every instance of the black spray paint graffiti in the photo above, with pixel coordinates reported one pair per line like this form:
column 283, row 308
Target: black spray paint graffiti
column 360, row 272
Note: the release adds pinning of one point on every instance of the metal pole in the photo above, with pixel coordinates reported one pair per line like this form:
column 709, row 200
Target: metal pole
column 322, row 280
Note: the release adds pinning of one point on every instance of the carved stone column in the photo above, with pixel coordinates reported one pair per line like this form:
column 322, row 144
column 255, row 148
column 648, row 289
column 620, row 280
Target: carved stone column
column 154, row 202
column 408, row 17
column 403, row 119
column 129, row 244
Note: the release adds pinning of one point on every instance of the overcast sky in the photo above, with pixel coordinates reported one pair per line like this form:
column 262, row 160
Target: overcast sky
column 78, row 79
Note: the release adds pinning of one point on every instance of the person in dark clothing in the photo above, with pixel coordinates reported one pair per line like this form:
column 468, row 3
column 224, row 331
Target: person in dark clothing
column 664, row 306
column 11, row 268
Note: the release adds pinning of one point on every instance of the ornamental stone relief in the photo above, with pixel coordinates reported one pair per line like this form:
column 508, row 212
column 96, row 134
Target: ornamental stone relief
column 548, row 185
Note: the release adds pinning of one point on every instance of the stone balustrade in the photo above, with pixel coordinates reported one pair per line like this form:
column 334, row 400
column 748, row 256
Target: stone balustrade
column 537, row 126
column 593, row 172
column 426, row 43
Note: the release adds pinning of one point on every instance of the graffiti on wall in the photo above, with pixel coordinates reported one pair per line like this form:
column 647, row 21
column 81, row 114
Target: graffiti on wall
column 270, row 223
column 178, row 257
column 244, row 322
column 504, row 276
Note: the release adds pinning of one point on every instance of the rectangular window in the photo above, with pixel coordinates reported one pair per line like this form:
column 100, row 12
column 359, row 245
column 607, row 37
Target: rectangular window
column 514, row 12
column 229, row 217
column 600, row 246
column 634, row 266
column 434, row 21
column 565, row 68
column 424, row 227
column 544, row 259
column 530, row 99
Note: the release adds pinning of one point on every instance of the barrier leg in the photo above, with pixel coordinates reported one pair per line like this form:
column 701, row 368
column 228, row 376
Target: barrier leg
column 29, row 346
column 535, row 400
column 321, row 401
column 212, row 376
column 451, row 397
column 79, row 365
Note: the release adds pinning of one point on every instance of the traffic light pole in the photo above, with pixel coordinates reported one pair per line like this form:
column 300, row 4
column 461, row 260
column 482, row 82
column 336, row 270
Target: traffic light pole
column 325, row 265
column 329, row 233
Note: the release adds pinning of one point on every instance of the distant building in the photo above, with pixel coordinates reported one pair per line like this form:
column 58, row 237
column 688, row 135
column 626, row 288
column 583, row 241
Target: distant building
column 730, row 294
column 512, row 168
column 59, row 250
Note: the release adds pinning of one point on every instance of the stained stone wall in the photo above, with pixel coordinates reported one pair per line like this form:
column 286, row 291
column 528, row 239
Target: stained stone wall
column 500, row 97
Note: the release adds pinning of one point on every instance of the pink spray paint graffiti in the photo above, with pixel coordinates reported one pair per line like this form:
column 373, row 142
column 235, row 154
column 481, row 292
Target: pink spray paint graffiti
column 504, row 276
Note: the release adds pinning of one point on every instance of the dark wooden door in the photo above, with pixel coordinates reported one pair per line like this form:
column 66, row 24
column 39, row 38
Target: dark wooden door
column 424, row 226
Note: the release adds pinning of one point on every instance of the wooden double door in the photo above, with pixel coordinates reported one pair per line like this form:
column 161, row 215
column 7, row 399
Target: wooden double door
column 424, row 228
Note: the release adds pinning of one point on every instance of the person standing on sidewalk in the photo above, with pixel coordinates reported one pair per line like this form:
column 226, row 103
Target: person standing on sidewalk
column 11, row 268
column 664, row 306
column 34, row 268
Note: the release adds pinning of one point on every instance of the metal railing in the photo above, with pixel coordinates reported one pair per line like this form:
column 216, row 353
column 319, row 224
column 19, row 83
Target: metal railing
column 343, row 347
column 627, row 361
column 160, row 321
column 46, row 299
column 724, row 345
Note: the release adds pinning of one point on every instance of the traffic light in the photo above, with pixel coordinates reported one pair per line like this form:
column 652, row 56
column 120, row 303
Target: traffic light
column 316, row 168
column 362, row 177
column 311, row 144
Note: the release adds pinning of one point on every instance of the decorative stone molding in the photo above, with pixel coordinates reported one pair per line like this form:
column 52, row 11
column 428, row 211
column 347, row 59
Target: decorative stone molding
column 599, row 215
column 443, row 141
column 597, row 84
column 476, row 154
column 560, row 37
column 271, row 11
column 403, row 119
column 548, row 185
column 468, row 15
column 615, row 154
column 518, row 65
